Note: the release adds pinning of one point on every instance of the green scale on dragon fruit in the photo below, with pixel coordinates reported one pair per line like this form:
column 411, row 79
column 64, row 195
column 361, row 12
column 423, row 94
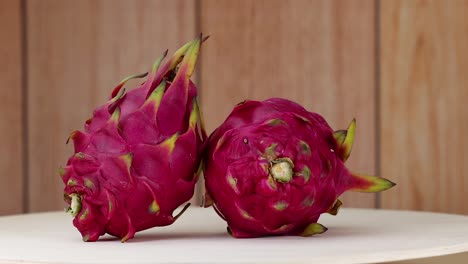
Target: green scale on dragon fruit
column 272, row 168
column 139, row 156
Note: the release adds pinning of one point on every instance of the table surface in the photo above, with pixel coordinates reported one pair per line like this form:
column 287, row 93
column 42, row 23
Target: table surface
column 199, row 236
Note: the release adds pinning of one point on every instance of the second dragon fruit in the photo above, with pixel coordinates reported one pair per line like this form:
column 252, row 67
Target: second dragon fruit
column 272, row 168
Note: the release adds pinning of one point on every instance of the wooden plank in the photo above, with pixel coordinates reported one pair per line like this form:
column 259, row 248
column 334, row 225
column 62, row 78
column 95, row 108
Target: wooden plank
column 318, row 53
column 78, row 51
column 424, row 82
column 11, row 150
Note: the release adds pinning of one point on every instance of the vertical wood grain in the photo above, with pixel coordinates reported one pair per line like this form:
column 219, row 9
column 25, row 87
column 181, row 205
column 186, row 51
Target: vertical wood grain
column 11, row 153
column 424, row 82
column 78, row 51
column 318, row 53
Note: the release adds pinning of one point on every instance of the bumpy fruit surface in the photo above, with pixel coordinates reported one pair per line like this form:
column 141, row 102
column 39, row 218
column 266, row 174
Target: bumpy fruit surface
column 272, row 168
column 138, row 158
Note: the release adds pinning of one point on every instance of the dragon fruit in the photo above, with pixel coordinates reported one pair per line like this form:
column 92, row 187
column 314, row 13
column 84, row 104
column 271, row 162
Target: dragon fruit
column 272, row 168
column 138, row 158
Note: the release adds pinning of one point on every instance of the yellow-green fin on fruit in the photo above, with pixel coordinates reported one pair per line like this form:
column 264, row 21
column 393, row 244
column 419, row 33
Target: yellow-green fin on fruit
column 187, row 64
column 117, row 89
column 336, row 206
column 170, row 142
column 345, row 140
column 115, row 117
column 314, row 229
column 194, row 114
column 127, row 159
column 158, row 62
column 370, row 184
column 156, row 96
column 339, row 136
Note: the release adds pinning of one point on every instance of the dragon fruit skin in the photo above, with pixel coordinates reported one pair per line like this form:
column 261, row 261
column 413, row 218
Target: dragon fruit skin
column 272, row 168
column 138, row 158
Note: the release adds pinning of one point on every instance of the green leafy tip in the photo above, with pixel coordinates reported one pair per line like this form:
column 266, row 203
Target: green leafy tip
column 314, row 229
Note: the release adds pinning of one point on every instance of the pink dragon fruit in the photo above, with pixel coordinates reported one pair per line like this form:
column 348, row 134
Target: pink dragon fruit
column 272, row 168
column 138, row 158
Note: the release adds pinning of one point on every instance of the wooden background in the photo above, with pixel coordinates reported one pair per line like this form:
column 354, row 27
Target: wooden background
column 399, row 67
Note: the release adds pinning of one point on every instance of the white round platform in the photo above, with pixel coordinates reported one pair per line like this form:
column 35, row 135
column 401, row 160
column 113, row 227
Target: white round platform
column 199, row 236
